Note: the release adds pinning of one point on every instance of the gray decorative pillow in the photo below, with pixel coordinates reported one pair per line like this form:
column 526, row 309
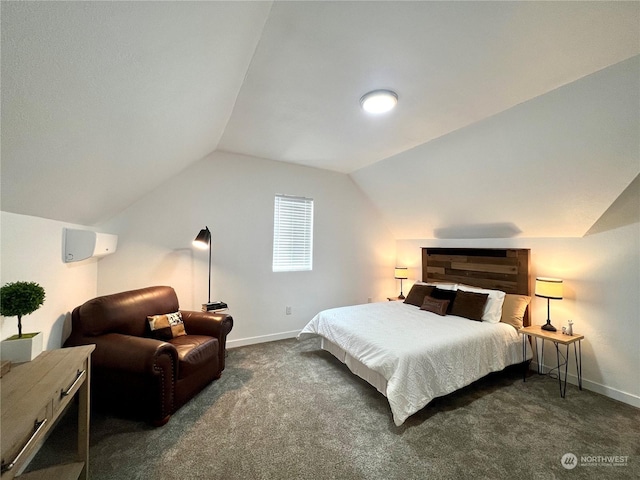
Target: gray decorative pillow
column 434, row 305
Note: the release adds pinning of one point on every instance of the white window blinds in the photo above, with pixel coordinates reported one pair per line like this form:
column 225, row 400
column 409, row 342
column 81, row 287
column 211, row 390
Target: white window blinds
column 292, row 234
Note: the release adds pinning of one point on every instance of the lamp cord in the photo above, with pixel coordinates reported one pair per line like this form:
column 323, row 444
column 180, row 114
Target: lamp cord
column 562, row 364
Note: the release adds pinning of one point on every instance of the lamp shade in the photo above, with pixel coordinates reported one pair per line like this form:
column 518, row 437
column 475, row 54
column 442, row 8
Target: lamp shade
column 549, row 288
column 203, row 240
column 401, row 273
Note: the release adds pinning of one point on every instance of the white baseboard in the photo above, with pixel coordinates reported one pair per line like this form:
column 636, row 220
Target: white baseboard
column 241, row 342
column 615, row 394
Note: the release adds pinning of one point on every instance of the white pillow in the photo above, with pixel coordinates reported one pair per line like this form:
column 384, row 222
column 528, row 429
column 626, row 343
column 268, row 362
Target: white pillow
column 493, row 309
column 443, row 286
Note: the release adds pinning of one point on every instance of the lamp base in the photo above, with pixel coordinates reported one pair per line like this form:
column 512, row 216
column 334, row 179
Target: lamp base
column 548, row 327
column 207, row 307
column 401, row 296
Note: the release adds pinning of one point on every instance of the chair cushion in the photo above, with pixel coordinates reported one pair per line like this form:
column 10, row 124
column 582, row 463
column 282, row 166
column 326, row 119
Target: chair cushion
column 194, row 352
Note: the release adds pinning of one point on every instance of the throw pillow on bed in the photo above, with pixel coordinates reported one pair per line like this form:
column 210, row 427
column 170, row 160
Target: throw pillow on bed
column 513, row 309
column 166, row 327
column 469, row 305
column 417, row 293
column 441, row 294
column 435, row 305
column 493, row 308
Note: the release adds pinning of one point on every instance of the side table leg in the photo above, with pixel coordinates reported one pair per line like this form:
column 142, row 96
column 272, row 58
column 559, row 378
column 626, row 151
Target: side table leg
column 578, row 362
column 566, row 370
column 84, row 414
column 524, row 358
column 558, row 364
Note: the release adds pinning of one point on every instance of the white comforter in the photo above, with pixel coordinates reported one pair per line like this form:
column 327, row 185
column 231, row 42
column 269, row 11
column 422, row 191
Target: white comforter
column 421, row 355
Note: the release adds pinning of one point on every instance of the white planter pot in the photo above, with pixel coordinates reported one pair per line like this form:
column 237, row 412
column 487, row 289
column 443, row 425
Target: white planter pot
column 23, row 349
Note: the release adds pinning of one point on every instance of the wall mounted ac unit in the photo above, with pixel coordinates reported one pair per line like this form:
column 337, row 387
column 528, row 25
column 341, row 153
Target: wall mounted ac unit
column 83, row 244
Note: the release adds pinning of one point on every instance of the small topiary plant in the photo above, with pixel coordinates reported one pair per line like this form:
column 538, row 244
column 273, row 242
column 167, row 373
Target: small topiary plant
column 20, row 298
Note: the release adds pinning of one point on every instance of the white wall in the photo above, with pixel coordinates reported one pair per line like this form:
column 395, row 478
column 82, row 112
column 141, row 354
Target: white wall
column 601, row 276
column 354, row 257
column 31, row 251
column 354, row 253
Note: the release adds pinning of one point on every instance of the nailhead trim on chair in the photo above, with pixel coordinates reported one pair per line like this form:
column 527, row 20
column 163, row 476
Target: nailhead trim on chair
column 163, row 407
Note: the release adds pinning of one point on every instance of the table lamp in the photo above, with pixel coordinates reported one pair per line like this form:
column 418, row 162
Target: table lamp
column 401, row 274
column 551, row 289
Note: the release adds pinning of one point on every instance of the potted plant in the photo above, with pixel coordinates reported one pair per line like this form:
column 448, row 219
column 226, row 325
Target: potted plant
column 18, row 299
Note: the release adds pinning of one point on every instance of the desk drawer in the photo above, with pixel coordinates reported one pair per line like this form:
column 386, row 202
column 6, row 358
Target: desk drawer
column 21, row 436
column 68, row 386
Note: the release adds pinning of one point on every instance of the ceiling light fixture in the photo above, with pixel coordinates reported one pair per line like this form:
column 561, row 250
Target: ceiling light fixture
column 379, row 101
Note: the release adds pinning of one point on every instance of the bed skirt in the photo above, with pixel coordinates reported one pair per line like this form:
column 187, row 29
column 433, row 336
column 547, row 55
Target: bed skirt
column 357, row 367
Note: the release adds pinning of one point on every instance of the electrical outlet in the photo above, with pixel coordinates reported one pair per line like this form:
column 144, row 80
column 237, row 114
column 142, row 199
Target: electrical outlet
column 287, row 310
column 369, row 300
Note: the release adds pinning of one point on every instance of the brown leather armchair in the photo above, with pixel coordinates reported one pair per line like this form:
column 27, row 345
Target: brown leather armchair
column 136, row 375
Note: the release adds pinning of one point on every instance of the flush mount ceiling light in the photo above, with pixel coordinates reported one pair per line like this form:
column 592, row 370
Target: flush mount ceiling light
column 379, row 101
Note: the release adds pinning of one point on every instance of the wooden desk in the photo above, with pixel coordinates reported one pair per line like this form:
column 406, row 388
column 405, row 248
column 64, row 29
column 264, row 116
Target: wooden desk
column 558, row 338
column 34, row 396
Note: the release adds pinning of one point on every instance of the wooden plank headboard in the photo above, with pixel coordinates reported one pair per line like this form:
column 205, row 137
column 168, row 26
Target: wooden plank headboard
column 505, row 269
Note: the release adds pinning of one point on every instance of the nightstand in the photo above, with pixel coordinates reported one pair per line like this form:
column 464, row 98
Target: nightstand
column 395, row 299
column 558, row 339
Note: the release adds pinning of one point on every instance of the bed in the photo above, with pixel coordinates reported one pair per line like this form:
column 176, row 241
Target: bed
column 414, row 352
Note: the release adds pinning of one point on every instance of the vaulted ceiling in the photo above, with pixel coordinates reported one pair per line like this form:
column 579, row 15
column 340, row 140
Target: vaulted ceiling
column 104, row 101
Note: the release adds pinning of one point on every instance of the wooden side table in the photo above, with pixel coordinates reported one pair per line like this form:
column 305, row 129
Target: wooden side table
column 394, row 299
column 34, row 395
column 558, row 339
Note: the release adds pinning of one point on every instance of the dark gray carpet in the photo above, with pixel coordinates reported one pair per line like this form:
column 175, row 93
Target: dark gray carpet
column 287, row 410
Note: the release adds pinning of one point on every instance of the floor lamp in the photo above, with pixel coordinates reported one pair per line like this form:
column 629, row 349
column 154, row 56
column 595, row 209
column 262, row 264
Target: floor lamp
column 203, row 242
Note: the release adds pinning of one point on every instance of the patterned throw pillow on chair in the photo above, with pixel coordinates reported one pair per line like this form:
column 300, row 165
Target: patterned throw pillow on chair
column 166, row 327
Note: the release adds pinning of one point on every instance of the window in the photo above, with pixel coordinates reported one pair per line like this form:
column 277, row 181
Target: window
column 292, row 234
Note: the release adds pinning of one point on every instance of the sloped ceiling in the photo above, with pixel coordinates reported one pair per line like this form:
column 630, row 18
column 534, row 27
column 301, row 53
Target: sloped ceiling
column 624, row 211
column 104, row 101
column 549, row 167
column 451, row 63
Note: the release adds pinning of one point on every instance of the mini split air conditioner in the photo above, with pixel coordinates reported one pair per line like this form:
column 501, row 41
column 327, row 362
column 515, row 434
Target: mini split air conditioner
column 83, row 244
